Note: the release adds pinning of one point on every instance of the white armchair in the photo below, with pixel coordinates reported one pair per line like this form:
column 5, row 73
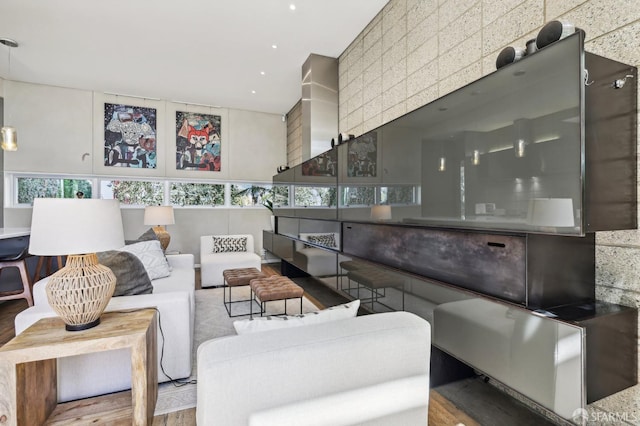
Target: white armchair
column 220, row 252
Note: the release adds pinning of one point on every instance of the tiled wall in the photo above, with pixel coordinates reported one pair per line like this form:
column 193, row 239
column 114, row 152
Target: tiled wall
column 416, row 51
column 294, row 135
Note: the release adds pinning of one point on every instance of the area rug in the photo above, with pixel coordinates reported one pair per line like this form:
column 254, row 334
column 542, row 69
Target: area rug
column 211, row 321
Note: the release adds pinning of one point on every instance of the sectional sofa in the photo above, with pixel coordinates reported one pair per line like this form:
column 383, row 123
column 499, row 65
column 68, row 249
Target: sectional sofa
column 96, row 374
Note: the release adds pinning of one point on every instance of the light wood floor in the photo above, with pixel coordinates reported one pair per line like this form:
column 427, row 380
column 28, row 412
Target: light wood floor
column 441, row 411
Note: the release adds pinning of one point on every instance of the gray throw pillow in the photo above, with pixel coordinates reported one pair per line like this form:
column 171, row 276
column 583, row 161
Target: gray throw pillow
column 131, row 276
column 149, row 235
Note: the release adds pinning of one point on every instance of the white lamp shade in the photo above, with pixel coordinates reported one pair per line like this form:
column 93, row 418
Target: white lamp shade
column 158, row 215
column 557, row 212
column 63, row 226
column 381, row 212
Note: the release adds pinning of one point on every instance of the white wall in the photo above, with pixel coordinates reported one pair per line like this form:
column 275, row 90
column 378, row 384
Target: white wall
column 57, row 127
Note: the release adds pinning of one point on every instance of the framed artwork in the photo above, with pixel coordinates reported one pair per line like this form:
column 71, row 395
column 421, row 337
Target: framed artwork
column 362, row 156
column 198, row 141
column 321, row 165
column 129, row 136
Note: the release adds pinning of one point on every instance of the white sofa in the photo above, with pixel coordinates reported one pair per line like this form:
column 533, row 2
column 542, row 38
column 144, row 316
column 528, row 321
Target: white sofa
column 96, row 374
column 369, row 370
column 213, row 264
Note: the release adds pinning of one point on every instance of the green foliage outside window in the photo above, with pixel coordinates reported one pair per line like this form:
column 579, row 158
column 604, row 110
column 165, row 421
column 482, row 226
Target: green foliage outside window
column 196, row 194
column 144, row 193
column 280, row 195
column 137, row 192
column 366, row 195
column 359, row 196
column 248, row 195
column 314, row 196
column 254, row 195
column 31, row 188
column 398, row 194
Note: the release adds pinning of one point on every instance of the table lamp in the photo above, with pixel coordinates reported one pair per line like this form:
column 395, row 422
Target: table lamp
column 381, row 212
column 78, row 228
column 551, row 213
column 160, row 216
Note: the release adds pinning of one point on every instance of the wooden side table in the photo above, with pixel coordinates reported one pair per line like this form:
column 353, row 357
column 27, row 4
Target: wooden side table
column 28, row 388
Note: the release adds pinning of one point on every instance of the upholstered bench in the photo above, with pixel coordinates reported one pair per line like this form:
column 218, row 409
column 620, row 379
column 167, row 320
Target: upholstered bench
column 274, row 288
column 235, row 278
column 351, row 265
column 375, row 279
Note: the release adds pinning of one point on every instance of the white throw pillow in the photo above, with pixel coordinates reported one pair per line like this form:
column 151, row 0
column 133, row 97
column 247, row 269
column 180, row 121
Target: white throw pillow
column 151, row 255
column 338, row 312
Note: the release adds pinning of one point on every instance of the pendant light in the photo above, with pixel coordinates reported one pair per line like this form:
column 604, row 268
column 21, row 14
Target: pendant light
column 475, row 158
column 522, row 136
column 9, row 139
column 442, row 164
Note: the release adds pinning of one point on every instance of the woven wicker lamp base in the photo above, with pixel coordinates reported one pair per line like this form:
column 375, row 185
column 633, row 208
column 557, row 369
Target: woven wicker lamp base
column 80, row 291
column 163, row 236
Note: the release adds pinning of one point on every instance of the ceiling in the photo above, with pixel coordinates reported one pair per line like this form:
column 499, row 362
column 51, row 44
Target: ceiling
column 209, row 52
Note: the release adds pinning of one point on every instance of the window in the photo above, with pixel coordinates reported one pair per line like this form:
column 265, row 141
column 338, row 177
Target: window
column 133, row 192
column 250, row 195
column 314, row 196
column 196, row 194
column 401, row 194
column 30, row 188
column 358, row 196
column 280, row 195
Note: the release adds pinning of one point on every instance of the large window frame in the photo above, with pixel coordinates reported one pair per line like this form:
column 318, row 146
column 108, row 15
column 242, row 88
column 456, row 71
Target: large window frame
column 97, row 182
column 11, row 194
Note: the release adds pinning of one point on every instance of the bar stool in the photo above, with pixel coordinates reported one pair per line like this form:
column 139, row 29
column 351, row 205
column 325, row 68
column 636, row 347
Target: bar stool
column 18, row 261
column 41, row 263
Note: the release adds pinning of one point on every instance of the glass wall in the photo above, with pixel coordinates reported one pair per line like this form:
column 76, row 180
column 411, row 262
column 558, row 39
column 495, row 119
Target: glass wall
column 503, row 152
column 541, row 145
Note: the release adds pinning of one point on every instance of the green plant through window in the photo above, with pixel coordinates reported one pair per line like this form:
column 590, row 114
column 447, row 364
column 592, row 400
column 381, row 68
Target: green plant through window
column 154, row 192
column 401, row 194
column 250, row 195
column 197, row 194
column 31, row 188
column 254, row 195
column 358, row 196
column 314, row 196
column 135, row 192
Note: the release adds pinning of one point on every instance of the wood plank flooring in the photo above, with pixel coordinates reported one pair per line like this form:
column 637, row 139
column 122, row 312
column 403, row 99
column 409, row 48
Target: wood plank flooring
column 442, row 412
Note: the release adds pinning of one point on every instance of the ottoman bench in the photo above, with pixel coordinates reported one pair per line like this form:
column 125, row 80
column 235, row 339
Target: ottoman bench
column 376, row 279
column 274, row 288
column 235, row 278
column 350, row 265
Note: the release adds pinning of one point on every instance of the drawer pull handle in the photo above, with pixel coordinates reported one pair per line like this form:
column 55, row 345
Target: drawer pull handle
column 492, row 244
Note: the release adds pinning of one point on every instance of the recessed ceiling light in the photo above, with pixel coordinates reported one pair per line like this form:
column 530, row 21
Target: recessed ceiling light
column 292, row 6
column 275, row 46
column 253, row 92
column 262, row 73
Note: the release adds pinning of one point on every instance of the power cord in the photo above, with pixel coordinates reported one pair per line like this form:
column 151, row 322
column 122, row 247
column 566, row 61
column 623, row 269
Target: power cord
column 176, row 382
